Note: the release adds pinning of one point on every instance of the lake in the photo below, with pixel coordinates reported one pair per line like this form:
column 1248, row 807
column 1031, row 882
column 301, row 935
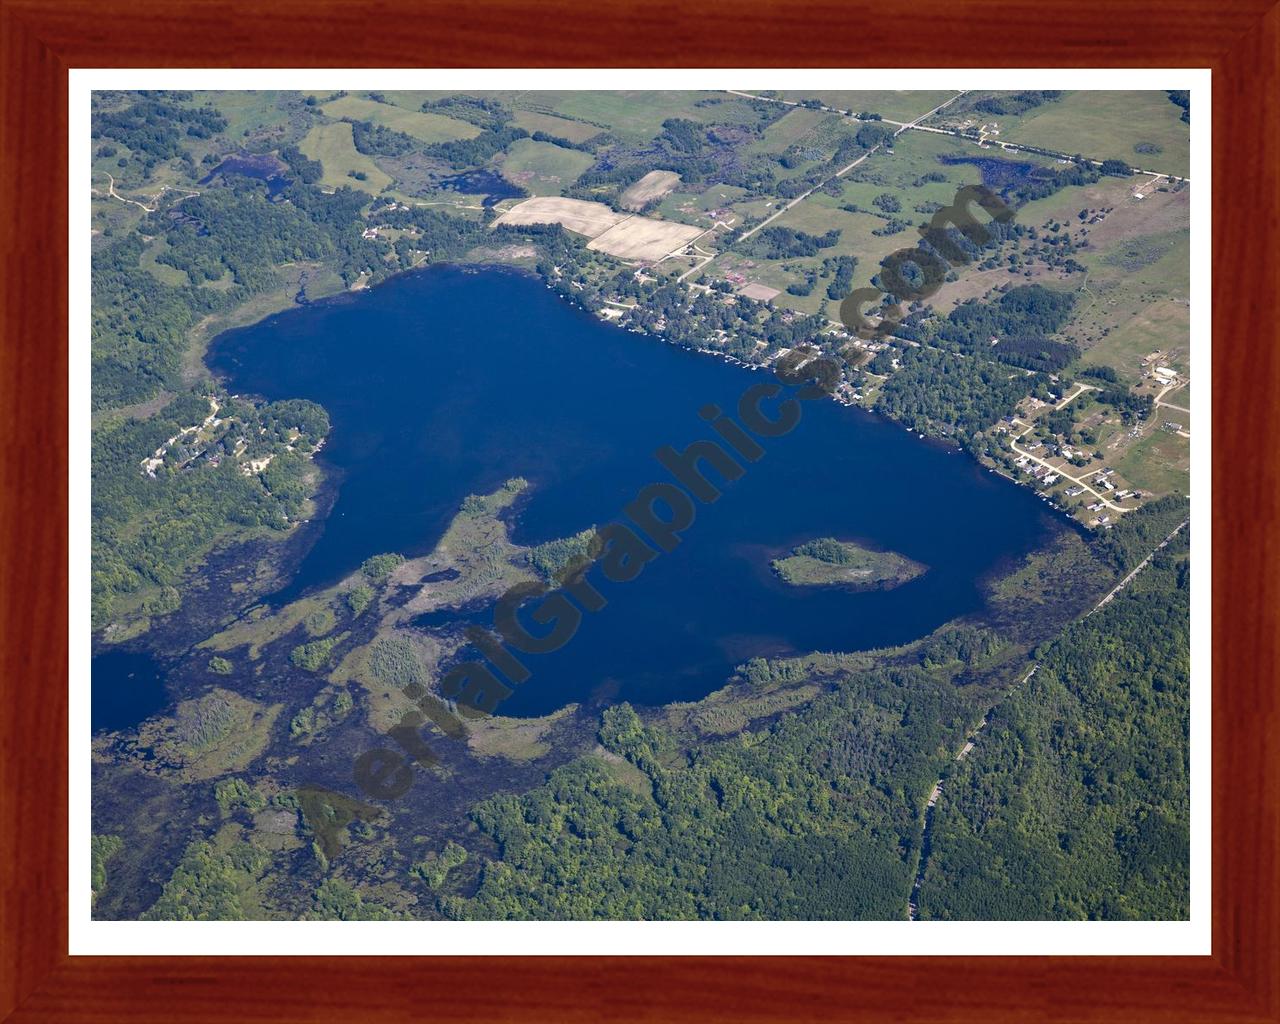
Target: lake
column 127, row 687
column 448, row 381
column 266, row 167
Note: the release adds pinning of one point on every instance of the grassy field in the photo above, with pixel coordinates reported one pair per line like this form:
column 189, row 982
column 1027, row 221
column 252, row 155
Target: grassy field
column 544, row 169
column 1105, row 125
column 900, row 105
column 1159, row 463
column 332, row 145
column 1064, row 204
column 562, row 128
column 915, row 154
column 693, row 208
column 428, row 128
column 516, row 739
column 245, row 111
column 1128, row 313
column 162, row 272
column 634, row 116
column 791, row 128
column 897, row 174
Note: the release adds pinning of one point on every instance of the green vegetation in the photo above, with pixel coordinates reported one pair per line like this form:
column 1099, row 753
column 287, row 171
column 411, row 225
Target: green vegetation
column 1104, row 125
column 320, row 622
column 436, row 868
column 359, row 598
column 336, row 900
column 208, row 885
column 395, row 661
column 156, row 129
column 425, row 127
column 1015, row 329
column 377, row 568
column 233, row 794
column 558, row 127
column 813, row 817
column 220, row 666
column 323, row 713
column 551, row 558
column 899, row 104
column 515, row 739
column 830, row 562
column 210, row 735
column 541, row 168
column 778, row 243
column 1136, row 535
column 103, row 849
column 333, row 146
column 1075, row 803
column 943, row 392
column 315, row 655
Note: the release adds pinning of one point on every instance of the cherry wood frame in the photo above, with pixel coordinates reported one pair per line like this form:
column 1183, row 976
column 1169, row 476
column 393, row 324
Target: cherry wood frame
column 41, row 39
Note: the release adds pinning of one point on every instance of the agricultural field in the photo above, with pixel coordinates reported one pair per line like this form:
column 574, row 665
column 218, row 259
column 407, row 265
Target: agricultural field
column 653, row 185
column 577, row 215
column 903, row 105
column 627, row 237
column 428, row 128
column 333, row 146
column 644, row 238
column 1108, row 125
column 543, row 168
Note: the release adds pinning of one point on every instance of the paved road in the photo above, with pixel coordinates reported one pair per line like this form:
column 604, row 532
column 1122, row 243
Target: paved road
column 915, row 125
column 1062, row 473
column 839, row 174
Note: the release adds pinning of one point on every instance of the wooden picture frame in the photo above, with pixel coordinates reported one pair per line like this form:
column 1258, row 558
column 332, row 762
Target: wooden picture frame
column 41, row 40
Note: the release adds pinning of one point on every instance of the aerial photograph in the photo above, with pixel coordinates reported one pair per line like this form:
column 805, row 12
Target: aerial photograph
column 737, row 504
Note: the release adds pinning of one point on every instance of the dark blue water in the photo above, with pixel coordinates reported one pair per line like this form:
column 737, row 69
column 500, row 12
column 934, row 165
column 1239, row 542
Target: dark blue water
column 128, row 686
column 265, row 167
column 447, row 382
column 494, row 187
column 999, row 173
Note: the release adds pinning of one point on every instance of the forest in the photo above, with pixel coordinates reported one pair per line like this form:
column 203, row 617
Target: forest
column 957, row 395
column 1014, row 329
column 812, row 817
column 1075, row 804
column 147, row 528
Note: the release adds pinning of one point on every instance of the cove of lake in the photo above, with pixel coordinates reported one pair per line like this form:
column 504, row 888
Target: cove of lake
column 448, row 381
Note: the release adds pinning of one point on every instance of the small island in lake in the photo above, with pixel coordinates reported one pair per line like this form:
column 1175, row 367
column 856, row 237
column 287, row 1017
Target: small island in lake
column 829, row 562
